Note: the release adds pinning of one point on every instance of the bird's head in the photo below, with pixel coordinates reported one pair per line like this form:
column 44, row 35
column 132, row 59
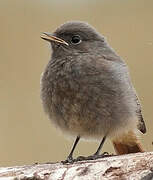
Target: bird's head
column 75, row 37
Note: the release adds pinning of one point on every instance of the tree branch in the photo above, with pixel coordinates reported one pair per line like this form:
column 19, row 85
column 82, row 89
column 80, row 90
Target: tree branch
column 132, row 166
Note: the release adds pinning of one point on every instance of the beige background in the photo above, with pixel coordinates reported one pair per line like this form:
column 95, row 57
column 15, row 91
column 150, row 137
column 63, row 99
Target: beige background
column 26, row 135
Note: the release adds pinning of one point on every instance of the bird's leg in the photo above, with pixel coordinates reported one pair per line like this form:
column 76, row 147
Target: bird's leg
column 100, row 146
column 96, row 154
column 70, row 156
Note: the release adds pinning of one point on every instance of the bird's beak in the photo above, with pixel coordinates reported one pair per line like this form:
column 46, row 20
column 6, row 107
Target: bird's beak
column 50, row 37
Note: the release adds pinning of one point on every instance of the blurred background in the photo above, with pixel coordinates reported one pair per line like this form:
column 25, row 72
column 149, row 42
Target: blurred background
column 26, row 134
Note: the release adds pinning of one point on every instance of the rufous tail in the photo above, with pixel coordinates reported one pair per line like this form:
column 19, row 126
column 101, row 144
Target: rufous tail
column 127, row 143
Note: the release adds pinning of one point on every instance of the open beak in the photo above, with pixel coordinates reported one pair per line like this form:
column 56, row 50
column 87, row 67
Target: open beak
column 50, row 37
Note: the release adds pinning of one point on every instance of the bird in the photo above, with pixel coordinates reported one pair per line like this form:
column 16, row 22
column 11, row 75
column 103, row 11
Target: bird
column 87, row 92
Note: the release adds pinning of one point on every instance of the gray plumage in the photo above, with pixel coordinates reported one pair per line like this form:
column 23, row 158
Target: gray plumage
column 86, row 89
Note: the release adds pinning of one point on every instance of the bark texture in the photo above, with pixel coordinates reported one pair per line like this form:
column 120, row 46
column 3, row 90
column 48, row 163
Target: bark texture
column 125, row 167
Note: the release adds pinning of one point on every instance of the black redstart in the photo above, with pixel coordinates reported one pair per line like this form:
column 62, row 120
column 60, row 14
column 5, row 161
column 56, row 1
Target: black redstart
column 87, row 92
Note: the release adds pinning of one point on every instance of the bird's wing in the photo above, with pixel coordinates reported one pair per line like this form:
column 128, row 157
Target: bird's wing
column 141, row 123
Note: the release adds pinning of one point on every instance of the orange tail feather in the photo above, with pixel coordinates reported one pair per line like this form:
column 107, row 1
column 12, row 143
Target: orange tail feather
column 126, row 148
column 127, row 144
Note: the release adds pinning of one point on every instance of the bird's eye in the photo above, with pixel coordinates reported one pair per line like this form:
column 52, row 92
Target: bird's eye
column 76, row 39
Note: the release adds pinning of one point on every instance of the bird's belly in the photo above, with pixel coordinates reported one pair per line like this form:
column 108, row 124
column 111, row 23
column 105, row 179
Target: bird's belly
column 88, row 115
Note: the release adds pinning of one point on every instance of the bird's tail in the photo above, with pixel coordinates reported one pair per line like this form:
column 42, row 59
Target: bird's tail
column 127, row 143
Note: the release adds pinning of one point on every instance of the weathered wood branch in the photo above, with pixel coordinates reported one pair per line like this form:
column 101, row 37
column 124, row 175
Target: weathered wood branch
column 132, row 166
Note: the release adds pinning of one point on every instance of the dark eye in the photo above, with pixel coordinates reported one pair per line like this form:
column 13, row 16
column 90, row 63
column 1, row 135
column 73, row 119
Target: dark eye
column 76, row 39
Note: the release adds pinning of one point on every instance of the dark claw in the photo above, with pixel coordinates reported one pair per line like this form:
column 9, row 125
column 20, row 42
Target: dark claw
column 105, row 153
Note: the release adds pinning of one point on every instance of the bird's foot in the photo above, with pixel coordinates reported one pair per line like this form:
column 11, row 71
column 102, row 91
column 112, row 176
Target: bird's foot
column 81, row 158
column 69, row 160
column 93, row 157
column 105, row 154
